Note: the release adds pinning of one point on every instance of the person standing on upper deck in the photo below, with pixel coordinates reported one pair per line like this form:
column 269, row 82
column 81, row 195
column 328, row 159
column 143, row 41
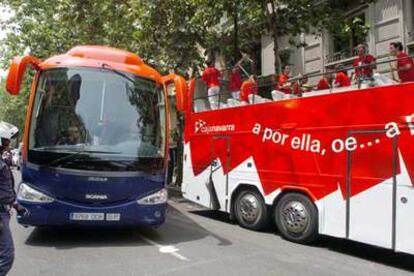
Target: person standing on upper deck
column 235, row 80
column 282, row 81
column 235, row 83
column 211, row 78
column 248, row 87
column 367, row 61
column 405, row 65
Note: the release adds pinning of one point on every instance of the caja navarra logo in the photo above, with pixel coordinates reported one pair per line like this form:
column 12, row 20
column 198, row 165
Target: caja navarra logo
column 203, row 127
column 199, row 124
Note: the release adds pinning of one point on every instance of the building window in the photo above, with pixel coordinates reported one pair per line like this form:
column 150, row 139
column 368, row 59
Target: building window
column 410, row 40
column 285, row 56
column 411, row 28
column 412, row 15
column 344, row 41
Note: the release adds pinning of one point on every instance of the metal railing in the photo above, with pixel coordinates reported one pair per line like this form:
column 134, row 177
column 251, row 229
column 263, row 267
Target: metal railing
column 347, row 68
column 263, row 86
column 341, row 55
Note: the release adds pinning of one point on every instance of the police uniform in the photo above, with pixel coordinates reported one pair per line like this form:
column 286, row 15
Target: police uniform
column 7, row 198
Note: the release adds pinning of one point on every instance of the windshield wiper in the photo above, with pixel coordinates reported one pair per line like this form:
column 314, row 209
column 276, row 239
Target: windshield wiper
column 70, row 157
column 62, row 148
column 110, row 68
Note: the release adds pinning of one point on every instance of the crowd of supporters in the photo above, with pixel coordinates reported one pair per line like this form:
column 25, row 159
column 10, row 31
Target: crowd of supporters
column 364, row 69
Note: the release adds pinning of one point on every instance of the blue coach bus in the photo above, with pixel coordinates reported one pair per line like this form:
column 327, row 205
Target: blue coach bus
column 95, row 149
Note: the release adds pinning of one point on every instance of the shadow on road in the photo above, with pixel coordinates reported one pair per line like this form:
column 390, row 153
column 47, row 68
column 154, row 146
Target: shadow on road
column 347, row 247
column 177, row 229
column 215, row 215
column 368, row 252
column 74, row 237
column 224, row 217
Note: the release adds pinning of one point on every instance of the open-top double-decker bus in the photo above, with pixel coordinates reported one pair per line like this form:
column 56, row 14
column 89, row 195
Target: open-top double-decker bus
column 335, row 162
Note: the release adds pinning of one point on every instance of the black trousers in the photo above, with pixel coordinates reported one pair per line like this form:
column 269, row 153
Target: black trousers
column 6, row 244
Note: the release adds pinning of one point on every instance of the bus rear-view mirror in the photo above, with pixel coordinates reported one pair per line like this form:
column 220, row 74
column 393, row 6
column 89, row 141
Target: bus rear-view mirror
column 16, row 72
column 180, row 90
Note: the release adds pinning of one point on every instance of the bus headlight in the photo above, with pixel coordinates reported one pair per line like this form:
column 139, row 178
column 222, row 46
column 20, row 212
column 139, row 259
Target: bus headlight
column 27, row 193
column 158, row 197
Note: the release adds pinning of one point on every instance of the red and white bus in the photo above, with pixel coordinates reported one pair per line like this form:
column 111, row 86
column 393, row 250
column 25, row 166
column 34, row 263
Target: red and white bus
column 337, row 163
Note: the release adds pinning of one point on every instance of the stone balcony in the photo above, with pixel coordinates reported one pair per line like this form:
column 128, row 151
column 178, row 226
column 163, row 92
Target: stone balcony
column 344, row 58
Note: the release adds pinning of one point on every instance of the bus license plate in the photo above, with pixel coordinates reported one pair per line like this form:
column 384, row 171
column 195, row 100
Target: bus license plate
column 87, row 216
column 113, row 217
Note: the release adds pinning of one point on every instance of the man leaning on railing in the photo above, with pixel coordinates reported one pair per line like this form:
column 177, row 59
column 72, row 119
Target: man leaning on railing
column 364, row 64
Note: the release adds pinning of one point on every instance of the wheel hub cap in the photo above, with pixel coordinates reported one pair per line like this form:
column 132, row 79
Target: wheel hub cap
column 249, row 208
column 295, row 217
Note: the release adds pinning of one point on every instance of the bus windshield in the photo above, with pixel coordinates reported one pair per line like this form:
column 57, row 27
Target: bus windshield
column 101, row 117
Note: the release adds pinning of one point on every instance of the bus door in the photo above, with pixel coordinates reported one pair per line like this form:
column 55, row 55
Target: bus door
column 371, row 189
column 218, row 180
column 175, row 137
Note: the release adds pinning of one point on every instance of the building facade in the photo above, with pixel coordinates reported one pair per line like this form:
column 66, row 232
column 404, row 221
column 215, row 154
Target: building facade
column 388, row 21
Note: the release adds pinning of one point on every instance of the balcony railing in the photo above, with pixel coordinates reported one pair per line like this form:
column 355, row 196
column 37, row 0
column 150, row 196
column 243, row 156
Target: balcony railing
column 342, row 55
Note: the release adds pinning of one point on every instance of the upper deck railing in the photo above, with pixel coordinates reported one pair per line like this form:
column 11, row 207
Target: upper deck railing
column 267, row 90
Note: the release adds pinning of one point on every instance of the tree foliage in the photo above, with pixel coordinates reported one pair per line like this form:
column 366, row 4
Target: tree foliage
column 168, row 34
column 291, row 18
column 13, row 109
column 165, row 33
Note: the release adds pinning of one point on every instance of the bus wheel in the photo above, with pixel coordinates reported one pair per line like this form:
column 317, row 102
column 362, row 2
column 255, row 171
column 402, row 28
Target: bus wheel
column 250, row 210
column 297, row 218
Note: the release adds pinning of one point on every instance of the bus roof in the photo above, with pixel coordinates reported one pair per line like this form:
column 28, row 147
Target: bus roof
column 101, row 56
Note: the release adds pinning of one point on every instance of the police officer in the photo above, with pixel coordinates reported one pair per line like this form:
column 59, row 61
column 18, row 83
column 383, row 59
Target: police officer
column 7, row 197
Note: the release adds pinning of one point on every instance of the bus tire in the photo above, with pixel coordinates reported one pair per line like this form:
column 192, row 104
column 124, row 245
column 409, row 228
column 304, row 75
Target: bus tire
column 250, row 210
column 296, row 218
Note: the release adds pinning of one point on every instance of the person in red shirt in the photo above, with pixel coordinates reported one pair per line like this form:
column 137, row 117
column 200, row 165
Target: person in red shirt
column 235, row 79
column 301, row 86
column 211, row 78
column 405, row 66
column 323, row 83
column 363, row 59
column 235, row 83
column 248, row 87
column 282, row 81
column 341, row 78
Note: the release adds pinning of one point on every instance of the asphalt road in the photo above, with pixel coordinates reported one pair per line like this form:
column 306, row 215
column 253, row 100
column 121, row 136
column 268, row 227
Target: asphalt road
column 193, row 241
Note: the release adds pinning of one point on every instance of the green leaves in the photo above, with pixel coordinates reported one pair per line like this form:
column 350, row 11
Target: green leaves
column 13, row 109
column 167, row 34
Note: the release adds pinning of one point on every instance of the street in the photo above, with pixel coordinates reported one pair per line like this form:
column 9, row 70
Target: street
column 193, row 241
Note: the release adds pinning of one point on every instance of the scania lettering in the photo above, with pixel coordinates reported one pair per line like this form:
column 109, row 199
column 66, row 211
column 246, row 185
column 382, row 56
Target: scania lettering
column 95, row 143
